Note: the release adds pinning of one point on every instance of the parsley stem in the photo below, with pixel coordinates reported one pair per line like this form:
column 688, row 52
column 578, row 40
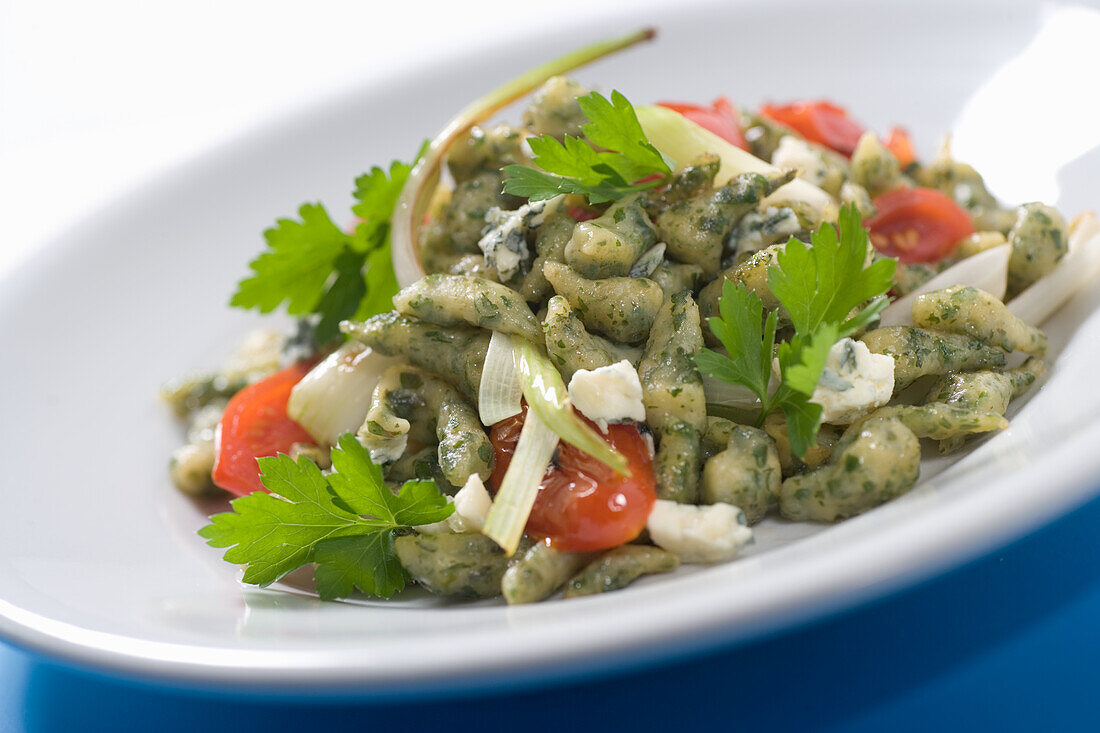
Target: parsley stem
column 413, row 202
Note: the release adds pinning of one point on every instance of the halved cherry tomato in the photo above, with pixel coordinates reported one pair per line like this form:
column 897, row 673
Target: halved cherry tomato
column 917, row 224
column 899, row 143
column 255, row 424
column 819, row 122
column 583, row 505
column 721, row 118
column 580, row 214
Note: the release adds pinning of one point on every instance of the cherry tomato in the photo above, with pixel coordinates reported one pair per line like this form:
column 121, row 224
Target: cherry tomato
column 721, row 118
column 917, row 224
column 819, row 122
column 255, row 424
column 899, row 143
column 583, row 505
column 580, row 214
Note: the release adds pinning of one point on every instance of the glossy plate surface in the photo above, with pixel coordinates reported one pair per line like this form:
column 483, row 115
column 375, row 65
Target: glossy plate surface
column 99, row 563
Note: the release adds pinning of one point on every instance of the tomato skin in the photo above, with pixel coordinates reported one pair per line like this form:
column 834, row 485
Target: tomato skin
column 580, row 214
column 917, row 224
column 582, row 505
column 721, row 118
column 820, row 122
column 255, row 424
column 899, row 143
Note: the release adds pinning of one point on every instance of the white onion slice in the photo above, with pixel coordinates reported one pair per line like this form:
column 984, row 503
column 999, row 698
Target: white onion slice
column 520, row 485
column 1084, row 227
column 987, row 271
column 499, row 394
column 335, row 396
column 1045, row 296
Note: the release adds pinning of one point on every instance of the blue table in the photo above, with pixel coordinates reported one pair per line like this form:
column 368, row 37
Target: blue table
column 1009, row 642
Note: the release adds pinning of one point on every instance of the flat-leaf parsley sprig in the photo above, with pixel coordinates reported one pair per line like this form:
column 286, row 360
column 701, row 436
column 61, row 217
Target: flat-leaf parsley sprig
column 829, row 291
column 825, row 282
column 613, row 160
column 344, row 522
column 318, row 269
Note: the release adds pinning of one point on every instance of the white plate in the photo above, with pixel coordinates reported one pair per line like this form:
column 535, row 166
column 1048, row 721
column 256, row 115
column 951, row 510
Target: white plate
column 100, row 564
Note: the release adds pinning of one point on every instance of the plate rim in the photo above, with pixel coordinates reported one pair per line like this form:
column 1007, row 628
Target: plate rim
column 180, row 664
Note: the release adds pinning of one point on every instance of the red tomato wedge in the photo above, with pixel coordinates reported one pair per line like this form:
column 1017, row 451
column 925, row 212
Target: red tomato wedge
column 583, row 505
column 819, row 122
column 918, row 225
column 899, row 143
column 721, row 118
column 255, row 424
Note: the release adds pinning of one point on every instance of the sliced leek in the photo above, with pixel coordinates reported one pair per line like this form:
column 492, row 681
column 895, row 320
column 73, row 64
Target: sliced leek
column 499, row 393
column 520, row 485
column 413, row 203
column 547, row 396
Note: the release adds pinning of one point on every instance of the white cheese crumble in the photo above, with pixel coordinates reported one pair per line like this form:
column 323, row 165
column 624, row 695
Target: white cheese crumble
column 800, row 155
column 504, row 241
column 608, row 394
column 504, row 244
column 854, row 382
column 773, row 223
column 709, row 533
column 472, row 504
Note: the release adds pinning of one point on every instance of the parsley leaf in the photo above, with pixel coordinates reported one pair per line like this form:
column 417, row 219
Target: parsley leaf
column 366, row 562
column 296, row 265
column 318, row 269
column 749, row 347
column 824, row 282
column 802, row 359
column 749, row 340
column 614, row 125
column 343, row 522
column 343, row 296
column 801, row 362
column 627, row 164
column 376, row 196
column 820, row 286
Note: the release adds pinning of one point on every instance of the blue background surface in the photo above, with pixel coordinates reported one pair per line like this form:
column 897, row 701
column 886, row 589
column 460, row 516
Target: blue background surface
column 1009, row 642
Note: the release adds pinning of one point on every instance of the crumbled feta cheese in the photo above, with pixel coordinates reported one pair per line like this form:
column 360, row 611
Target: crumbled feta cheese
column 854, row 382
column 608, row 394
column 504, row 241
column 709, row 533
column 760, row 229
column 472, row 504
column 800, row 155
